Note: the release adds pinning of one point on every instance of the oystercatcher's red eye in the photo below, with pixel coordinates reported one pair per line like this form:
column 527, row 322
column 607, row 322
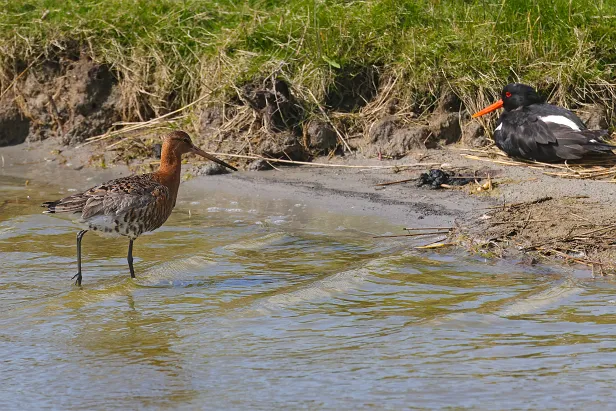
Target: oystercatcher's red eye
column 507, row 94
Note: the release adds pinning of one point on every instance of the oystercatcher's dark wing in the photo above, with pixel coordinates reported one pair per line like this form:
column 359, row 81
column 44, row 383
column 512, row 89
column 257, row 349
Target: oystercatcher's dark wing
column 548, row 110
column 546, row 138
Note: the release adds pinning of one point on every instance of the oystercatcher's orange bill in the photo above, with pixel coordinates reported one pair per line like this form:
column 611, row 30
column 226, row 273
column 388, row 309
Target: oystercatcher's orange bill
column 488, row 109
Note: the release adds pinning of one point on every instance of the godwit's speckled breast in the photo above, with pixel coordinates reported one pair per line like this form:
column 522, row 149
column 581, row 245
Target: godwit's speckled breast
column 128, row 206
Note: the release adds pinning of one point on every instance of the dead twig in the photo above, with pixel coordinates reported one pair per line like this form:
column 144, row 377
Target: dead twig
column 512, row 205
column 518, row 222
column 407, row 235
column 56, row 114
column 322, row 164
column 568, row 257
column 611, row 226
column 406, row 180
column 426, row 228
column 436, row 244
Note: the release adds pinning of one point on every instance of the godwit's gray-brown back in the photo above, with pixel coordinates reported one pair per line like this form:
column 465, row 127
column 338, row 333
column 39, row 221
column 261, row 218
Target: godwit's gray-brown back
column 130, row 206
column 127, row 206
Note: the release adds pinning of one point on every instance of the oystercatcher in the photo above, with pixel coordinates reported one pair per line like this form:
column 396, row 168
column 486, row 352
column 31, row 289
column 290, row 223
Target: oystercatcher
column 132, row 205
column 532, row 129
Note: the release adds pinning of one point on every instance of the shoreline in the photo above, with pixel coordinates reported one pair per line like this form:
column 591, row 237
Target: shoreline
column 325, row 188
column 481, row 222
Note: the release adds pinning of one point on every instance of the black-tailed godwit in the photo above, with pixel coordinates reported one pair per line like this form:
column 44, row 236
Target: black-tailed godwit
column 131, row 206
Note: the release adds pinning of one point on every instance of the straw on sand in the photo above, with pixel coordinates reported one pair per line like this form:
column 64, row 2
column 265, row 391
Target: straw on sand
column 594, row 168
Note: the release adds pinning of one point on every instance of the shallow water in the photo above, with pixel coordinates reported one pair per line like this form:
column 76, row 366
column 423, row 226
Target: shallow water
column 264, row 303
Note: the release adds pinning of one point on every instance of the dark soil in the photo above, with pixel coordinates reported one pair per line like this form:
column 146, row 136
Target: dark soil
column 388, row 137
column 473, row 135
column 394, row 136
column 71, row 101
column 353, row 88
column 445, row 128
column 266, row 120
column 14, row 126
column 272, row 100
column 595, row 116
column 321, row 138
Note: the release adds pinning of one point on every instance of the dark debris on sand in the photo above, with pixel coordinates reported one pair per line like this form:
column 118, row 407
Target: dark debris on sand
column 435, row 178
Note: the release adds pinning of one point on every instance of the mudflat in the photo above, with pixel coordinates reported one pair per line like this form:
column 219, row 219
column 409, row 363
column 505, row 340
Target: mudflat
column 526, row 212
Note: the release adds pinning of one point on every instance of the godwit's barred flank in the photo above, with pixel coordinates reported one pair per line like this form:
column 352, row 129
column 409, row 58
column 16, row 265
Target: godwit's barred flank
column 130, row 206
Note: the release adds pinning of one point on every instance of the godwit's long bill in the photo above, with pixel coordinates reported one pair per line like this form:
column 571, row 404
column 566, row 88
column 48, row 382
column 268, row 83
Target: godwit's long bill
column 131, row 206
column 531, row 129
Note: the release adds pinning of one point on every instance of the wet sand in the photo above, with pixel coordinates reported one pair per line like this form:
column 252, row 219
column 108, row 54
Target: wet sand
column 354, row 191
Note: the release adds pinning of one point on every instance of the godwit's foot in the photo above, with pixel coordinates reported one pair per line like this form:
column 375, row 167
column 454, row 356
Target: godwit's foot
column 78, row 277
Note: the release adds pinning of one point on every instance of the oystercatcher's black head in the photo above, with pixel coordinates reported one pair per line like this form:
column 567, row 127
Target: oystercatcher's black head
column 516, row 95
column 513, row 96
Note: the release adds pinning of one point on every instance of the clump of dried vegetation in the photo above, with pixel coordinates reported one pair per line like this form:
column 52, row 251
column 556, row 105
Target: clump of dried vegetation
column 573, row 229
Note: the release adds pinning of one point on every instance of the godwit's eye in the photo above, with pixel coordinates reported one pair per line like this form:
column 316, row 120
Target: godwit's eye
column 507, row 94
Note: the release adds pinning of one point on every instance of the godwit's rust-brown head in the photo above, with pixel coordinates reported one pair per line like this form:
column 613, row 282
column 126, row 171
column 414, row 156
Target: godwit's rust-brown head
column 178, row 142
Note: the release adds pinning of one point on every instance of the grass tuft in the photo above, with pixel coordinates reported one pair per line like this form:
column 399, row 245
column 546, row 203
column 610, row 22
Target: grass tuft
column 169, row 53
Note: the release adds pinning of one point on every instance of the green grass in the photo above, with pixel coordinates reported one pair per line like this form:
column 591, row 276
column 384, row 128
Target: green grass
column 170, row 52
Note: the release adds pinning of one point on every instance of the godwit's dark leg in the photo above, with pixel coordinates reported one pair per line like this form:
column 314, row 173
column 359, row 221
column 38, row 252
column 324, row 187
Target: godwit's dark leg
column 78, row 275
column 129, row 258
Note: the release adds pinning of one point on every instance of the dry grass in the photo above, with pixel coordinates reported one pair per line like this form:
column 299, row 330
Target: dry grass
column 598, row 168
